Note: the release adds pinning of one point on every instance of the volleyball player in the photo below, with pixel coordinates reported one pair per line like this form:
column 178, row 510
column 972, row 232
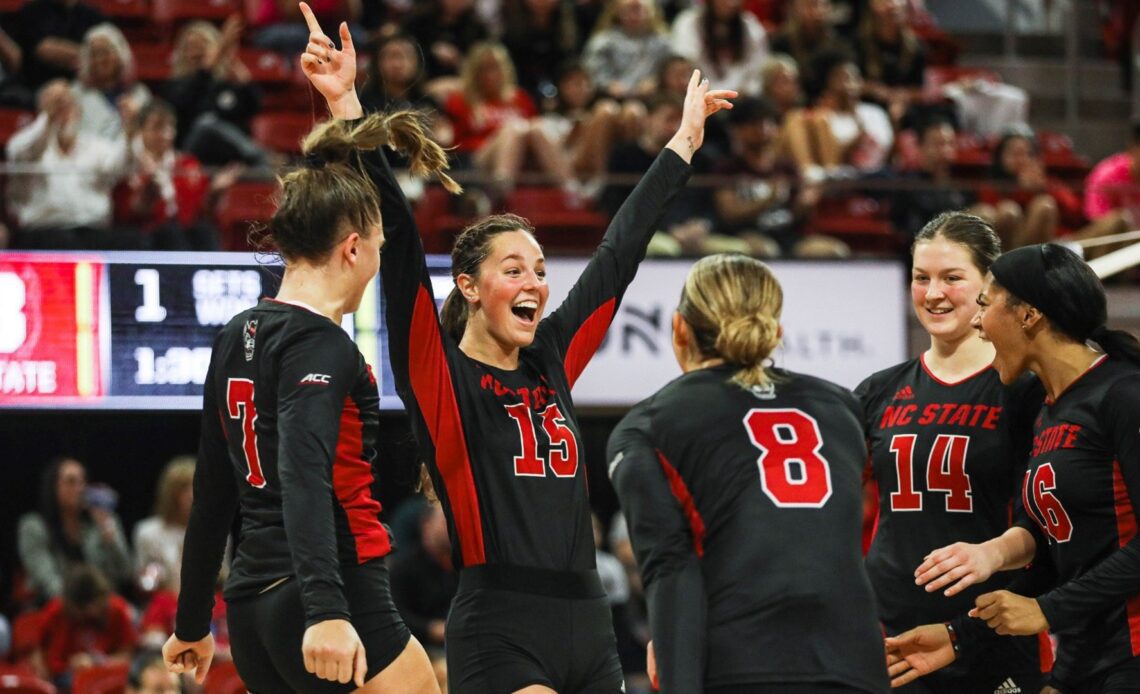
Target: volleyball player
column 947, row 445
column 489, row 397
column 742, row 487
column 289, row 428
column 1044, row 310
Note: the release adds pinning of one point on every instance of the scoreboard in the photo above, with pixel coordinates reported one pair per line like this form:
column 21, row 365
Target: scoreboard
column 134, row 331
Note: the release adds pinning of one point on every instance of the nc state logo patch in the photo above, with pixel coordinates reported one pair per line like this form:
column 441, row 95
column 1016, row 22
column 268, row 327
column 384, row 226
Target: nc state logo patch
column 249, row 337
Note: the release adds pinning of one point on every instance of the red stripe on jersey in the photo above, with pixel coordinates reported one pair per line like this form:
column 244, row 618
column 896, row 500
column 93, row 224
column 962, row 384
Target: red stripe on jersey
column 431, row 383
column 688, row 506
column 352, row 481
column 586, row 340
column 870, row 507
column 1126, row 530
column 1045, row 651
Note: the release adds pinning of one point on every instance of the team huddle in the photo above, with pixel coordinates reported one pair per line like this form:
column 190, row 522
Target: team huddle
column 1004, row 462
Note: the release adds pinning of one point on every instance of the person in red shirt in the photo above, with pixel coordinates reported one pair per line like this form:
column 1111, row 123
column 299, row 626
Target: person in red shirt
column 1033, row 207
column 494, row 120
column 88, row 625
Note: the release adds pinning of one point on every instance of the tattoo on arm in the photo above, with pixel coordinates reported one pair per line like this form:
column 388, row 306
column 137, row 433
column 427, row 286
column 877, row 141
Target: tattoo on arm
column 692, row 149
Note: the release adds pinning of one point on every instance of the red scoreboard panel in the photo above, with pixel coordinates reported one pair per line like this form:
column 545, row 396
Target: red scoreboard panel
column 51, row 329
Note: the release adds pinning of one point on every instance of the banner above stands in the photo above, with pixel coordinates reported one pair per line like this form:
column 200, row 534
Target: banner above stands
column 134, row 330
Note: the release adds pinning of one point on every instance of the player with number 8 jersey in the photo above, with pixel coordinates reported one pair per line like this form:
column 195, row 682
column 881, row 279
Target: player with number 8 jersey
column 947, row 445
column 742, row 490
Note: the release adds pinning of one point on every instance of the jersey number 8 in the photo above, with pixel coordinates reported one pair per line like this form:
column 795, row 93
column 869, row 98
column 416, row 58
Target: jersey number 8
column 792, row 472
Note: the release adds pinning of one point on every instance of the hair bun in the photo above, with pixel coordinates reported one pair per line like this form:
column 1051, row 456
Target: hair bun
column 749, row 339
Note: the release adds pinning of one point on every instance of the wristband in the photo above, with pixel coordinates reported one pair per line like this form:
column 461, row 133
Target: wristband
column 953, row 637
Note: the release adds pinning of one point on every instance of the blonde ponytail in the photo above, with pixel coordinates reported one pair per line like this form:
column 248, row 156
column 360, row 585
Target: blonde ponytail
column 732, row 303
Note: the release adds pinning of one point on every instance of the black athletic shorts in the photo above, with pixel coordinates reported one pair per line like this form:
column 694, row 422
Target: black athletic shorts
column 512, row 627
column 1118, row 679
column 266, row 632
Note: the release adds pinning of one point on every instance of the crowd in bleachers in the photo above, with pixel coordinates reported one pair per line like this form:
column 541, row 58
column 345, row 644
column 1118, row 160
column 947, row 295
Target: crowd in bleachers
column 160, row 123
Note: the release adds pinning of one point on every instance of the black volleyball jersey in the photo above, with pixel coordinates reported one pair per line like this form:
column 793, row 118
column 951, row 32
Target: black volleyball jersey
column 289, row 425
column 1081, row 490
column 745, row 509
column 947, row 459
column 504, row 446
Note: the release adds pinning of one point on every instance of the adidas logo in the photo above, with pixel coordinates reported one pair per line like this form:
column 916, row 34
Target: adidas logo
column 905, row 393
column 1008, row 687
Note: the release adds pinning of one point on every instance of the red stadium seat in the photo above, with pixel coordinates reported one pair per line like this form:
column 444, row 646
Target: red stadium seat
column 266, row 67
column 244, row 204
column 11, row 120
column 26, row 630
column 282, row 131
column 152, row 61
column 1058, row 155
column 10, row 6
column 859, row 221
column 560, row 221
column 124, row 9
column 101, row 679
column 223, row 678
column 173, row 11
column 22, row 683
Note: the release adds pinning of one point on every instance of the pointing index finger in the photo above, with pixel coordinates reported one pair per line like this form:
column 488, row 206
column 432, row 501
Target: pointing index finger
column 310, row 18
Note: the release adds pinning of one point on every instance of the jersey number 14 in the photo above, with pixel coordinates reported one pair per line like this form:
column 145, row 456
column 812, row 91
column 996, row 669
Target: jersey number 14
column 945, row 472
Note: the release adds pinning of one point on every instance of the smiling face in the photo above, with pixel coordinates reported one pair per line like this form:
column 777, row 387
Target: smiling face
column 998, row 321
column 944, row 288
column 508, row 296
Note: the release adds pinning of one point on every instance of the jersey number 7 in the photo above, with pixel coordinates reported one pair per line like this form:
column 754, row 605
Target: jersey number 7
column 792, row 472
column 239, row 405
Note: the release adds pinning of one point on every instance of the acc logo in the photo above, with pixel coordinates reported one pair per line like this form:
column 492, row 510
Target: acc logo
column 249, row 337
column 315, row 379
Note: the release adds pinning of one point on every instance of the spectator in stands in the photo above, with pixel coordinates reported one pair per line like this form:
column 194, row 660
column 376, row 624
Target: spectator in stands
column 926, row 191
column 106, row 79
column 891, row 57
column 494, row 121
column 673, row 75
column 424, row 581
column 540, row 35
column 75, row 524
column 626, row 49
column 158, row 539
column 807, row 29
column 1113, row 186
column 726, row 43
column 394, row 76
column 766, row 205
column 68, row 205
column 780, row 77
column 167, row 194
column 447, row 30
column 839, row 135
column 686, row 227
column 48, row 33
column 148, row 675
column 1045, row 205
column 213, row 95
column 278, row 25
column 583, row 128
column 88, row 625
column 13, row 92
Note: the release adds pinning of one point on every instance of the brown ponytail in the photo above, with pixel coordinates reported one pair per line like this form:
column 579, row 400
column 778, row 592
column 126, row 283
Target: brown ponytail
column 330, row 194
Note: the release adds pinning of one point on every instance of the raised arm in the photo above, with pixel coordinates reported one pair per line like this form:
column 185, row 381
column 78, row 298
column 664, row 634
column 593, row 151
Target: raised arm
column 580, row 323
